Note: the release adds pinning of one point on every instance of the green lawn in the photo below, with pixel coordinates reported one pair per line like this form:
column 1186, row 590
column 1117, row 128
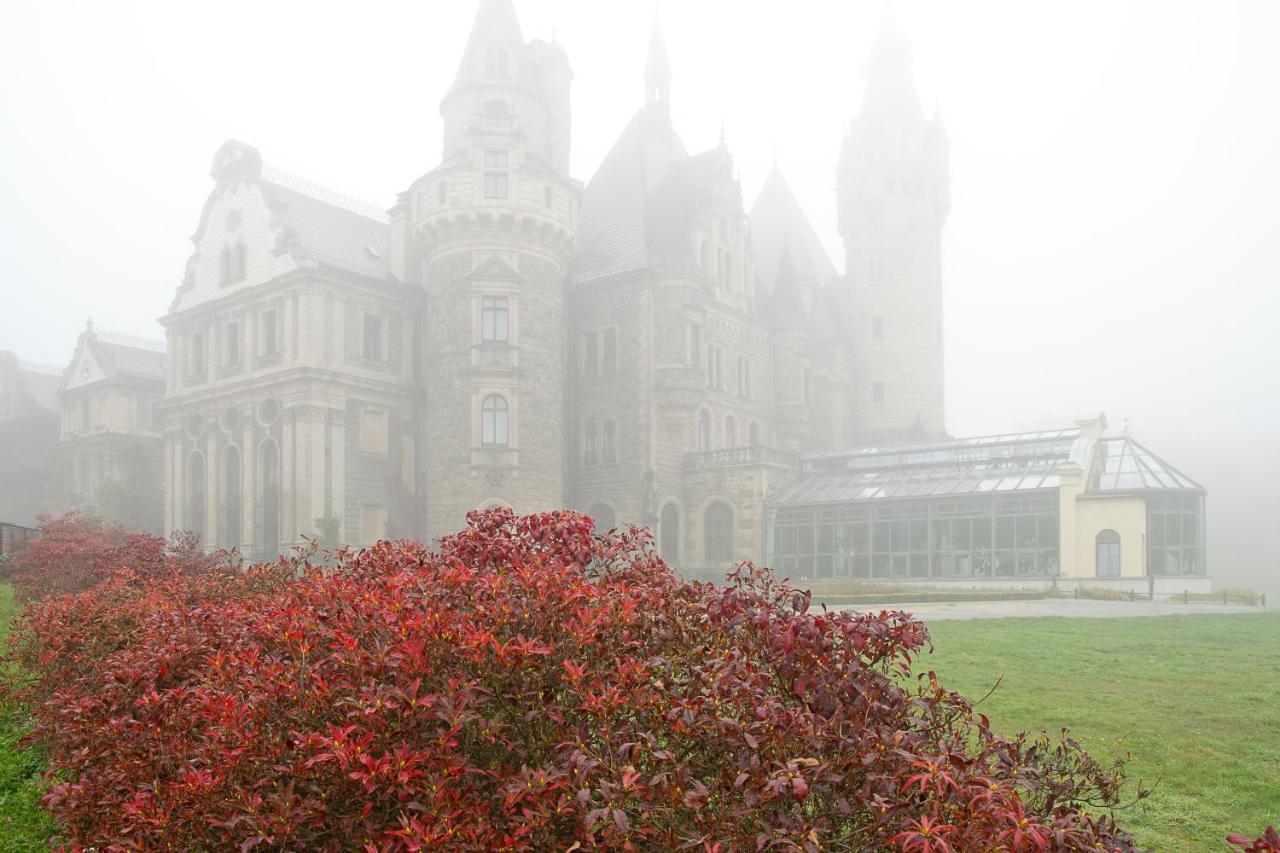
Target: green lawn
column 23, row 826
column 1195, row 699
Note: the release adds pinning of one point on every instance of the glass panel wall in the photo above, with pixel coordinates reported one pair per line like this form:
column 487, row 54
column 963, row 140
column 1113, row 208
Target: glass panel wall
column 1000, row 536
column 1175, row 534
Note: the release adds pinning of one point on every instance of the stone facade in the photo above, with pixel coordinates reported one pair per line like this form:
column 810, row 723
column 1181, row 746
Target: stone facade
column 641, row 347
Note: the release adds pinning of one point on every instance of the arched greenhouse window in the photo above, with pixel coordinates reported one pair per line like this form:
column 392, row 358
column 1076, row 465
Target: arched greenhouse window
column 1108, row 546
column 494, row 422
column 717, row 533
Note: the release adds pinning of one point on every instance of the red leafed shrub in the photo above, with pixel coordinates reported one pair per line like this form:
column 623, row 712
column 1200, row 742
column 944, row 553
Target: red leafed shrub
column 529, row 686
column 1267, row 842
column 74, row 552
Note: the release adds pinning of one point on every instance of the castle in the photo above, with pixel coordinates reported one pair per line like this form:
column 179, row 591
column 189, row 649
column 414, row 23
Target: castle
column 641, row 348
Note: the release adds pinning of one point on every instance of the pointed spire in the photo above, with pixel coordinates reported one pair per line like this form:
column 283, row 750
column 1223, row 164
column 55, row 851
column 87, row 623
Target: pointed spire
column 495, row 35
column 890, row 91
column 657, row 69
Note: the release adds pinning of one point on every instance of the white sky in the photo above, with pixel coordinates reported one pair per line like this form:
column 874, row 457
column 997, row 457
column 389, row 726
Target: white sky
column 1114, row 240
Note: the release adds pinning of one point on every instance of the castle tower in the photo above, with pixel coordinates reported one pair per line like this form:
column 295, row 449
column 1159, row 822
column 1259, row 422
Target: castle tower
column 894, row 194
column 489, row 234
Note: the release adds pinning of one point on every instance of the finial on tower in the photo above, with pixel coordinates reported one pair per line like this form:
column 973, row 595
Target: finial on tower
column 657, row 69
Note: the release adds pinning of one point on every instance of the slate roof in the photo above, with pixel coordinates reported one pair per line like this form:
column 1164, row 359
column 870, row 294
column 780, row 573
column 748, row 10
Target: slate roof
column 778, row 220
column 120, row 360
column 330, row 232
column 623, row 213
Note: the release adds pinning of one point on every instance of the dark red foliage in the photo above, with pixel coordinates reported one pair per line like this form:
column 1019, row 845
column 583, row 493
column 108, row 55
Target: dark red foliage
column 1267, row 842
column 75, row 552
column 529, row 686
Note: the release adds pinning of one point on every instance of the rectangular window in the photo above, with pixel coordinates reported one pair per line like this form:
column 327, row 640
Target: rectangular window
column 195, row 354
column 877, row 328
column 495, row 158
column 373, row 431
column 695, row 346
column 877, row 392
column 495, row 185
column 231, row 351
column 268, row 340
column 493, row 319
column 591, row 354
column 609, row 352
column 372, row 341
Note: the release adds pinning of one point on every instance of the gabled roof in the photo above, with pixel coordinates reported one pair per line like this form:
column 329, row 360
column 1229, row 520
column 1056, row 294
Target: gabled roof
column 778, row 220
column 322, row 227
column 621, row 208
column 115, row 357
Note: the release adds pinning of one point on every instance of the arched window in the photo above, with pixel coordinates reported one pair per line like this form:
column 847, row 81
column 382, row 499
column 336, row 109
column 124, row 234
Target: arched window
column 610, row 453
column 704, row 430
column 232, row 505
column 589, row 445
column 669, row 533
column 603, row 516
column 494, row 422
column 717, row 533
column 239, row 262
column 754, row 434
column 269, row 485
column 195, row 493
column 730, row 431
column 1108, row 549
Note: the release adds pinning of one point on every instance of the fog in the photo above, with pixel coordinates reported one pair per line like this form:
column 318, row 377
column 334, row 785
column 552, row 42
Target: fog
column 1113, row 243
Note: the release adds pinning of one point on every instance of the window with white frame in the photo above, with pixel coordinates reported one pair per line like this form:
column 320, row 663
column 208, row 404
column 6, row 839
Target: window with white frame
column 494, row 421
column 371, row 341
column 494, row 319
column 495, row 175
column 268, row 333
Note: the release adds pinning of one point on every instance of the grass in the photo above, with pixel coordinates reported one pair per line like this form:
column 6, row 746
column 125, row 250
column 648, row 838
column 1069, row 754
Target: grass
column 23, row 825
column 1195, row 699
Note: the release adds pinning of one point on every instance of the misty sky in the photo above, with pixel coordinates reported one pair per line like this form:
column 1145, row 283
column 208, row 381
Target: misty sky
column 1114, row 240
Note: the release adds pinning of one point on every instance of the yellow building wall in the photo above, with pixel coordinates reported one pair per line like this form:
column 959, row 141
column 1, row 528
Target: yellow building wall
column 1126, row 515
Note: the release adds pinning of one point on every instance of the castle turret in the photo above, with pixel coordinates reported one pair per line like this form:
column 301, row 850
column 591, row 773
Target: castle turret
column 493, row 228
column 894, row 195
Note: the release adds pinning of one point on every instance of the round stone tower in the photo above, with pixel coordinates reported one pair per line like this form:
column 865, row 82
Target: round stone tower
column 492, row 230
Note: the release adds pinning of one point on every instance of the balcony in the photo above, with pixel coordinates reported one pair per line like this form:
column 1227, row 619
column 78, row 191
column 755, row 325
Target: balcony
column 731, row 457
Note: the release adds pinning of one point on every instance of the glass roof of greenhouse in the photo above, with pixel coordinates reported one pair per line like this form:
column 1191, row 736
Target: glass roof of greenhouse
column 998, row 464
column 1123, row 465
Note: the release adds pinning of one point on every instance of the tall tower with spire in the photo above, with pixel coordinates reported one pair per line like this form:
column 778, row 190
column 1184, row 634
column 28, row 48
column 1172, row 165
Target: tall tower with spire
column 894, row 195
column 489, row 234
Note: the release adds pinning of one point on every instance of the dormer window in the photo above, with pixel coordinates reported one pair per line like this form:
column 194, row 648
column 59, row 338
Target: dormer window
column 497, row 61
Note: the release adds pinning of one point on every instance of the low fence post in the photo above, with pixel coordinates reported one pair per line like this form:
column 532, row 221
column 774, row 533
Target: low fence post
column 1186, row 597
column 1224, row 596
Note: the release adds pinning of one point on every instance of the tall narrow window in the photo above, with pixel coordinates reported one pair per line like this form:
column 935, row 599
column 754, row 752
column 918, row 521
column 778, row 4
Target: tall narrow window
column 730, row 431
column 495, row 176
column 591, row 354
column 1108, row 547
column 494, row 422
column 269, row 480
column 877, row 392
column 372, row 341
column 754, row 434
column 877, row 328
column 704, row 430
column 718, row 533
column 695, row 345
column 610, row 452
column 231, row 503
column 224, row 265
column 195, row 493
column 609, row 352
column 239, row 262
column 195, row 354
column 231, row 348
column 268, row 333
column 589, row 445
column 493, row 319
column 669, row 533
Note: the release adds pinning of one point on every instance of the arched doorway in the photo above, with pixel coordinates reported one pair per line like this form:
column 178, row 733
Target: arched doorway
column 1107, row 543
